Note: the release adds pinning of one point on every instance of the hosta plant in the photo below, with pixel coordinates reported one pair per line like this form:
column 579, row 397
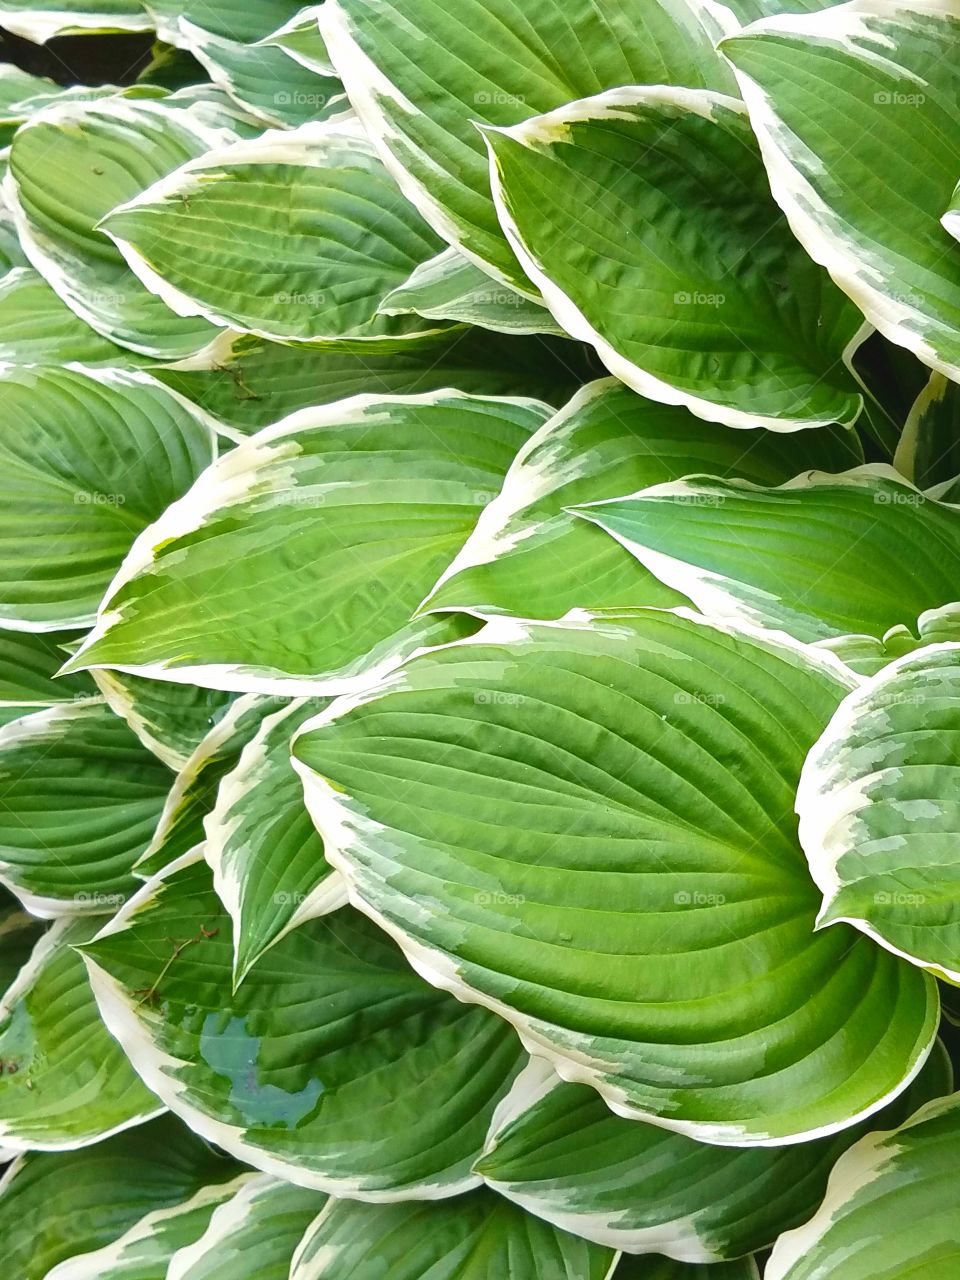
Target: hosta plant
column 480, row 643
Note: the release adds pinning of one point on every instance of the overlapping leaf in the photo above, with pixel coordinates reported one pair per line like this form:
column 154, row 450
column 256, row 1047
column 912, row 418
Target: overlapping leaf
column 300, row 38
column 801, row 557
column 316, row 204
column 29, row 662
column 264, row 80
column 333, row 1065
column 56, row 1205
column 267, row 859
column 421, row 77
column 327, row 529
column 561, row 1153
column 451, row 287
column 37, row 328
column 89, row 459
column 171, row 720
column 531, row 557
column 253, row 1236
column 879, row 818
column 858, row 118
column 890, row 1210
column 249, row 383
column 66, row 17
column 64, row 1081
column 928, row 452
column 144, row 1252
column 721, row 311
column 194, row 791
column 588, row 828
column 472, row 1238
column 69, row 166
column 80, row 800
column 223, row 17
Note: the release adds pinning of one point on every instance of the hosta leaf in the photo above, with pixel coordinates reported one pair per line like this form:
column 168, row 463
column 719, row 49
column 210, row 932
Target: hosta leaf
column 29, row 662
column 857, row 113
column 301, row 40
column 421, row 76
column 333, row 1065
column 17, row 87
column 223, row 17
column 264, row 80
column 69, row 166
column 80, row 799
column 563, row 1155
column 251, row 1237
column 588, row 828
column 171, row 720
column 879, row 816
column 19, row 932
column 267, row 858
column 890, row 1211
column 89, row 458
column 805, row 554
column 929, row 449
column 66, row 17
column 334, row 227
column 144, row 1252
column 451, row 287
column 64, row 1081
column 250, row 383
column 194, row 791
column 330, row 527
column 476, row 1237
column 868, row 654
column 530, row 557
column 37, row 328
column 721, row 311
column 53, row 1206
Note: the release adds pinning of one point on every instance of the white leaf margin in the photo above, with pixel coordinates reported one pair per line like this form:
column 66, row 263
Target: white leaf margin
column 895, row 317
column 157, row 1070
column 819, row 809
column 860, row 1165
column 553, row 126
column 219, row 824
column 100, row 1262
column 342, row 827
column 45, row 947
column 231, row 480
column 308, row 146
